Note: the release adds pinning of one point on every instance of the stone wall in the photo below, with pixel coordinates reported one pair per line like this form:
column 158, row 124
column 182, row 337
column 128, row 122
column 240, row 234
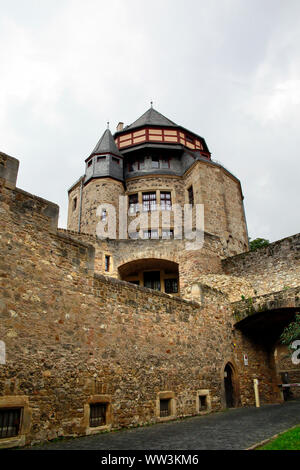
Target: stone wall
column 73, row 337
column 268, row 269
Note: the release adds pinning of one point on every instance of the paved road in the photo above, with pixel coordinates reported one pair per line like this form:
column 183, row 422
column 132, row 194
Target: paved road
column 235, row 429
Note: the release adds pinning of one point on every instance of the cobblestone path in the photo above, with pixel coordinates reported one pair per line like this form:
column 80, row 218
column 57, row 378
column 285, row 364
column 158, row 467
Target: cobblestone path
column 234, row 429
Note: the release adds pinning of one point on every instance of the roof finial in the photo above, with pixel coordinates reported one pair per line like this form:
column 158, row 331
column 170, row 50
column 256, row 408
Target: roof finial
column 151, row 102
column 107, row 124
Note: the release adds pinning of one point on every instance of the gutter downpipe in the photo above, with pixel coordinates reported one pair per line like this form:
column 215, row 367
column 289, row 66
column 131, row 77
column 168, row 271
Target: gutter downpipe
column 80, row 205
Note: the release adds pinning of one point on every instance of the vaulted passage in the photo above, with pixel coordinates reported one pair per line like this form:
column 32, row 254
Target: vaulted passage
column 156, row 274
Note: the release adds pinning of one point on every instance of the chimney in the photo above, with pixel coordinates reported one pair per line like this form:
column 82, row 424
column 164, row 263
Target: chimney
column 120, row 126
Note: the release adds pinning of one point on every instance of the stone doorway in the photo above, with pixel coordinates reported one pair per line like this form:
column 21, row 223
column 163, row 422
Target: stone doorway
column 229, row 386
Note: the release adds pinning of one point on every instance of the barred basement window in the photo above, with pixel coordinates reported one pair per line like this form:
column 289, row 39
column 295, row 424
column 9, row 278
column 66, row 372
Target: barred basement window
column 165, row 407
column 98, row 414
column 10, row 420
column 202, row 402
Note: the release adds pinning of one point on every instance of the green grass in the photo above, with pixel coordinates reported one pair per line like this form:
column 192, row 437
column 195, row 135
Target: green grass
column 289, row 440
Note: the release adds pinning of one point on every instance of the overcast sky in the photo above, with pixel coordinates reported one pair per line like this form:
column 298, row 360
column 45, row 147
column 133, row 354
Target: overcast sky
column 228, row 70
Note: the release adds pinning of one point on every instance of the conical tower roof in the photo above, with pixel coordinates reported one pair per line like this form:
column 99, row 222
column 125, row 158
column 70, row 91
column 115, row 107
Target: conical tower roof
column 151, row 118
column 106, row 145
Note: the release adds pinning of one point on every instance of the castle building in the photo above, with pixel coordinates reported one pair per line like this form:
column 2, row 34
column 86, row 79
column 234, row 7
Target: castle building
column 138, row 322
column 158, row 164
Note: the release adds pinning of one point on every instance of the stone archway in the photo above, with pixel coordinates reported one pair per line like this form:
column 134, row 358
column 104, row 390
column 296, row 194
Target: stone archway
column 230, row 386
column 154, row 273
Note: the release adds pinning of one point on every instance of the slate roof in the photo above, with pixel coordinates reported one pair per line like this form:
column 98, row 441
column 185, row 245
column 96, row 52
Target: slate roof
column 152, row 118
column 107, row 145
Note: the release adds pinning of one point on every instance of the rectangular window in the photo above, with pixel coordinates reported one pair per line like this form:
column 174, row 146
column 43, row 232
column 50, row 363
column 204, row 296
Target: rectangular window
column 133, row 203
column 107, row 263
column 165, row 163
column 149, row 202
column 165, row 201
column 90, row 163
column 74, row 203
column 101, row 159
column 130, row 166
column 171, row 286
column 98, row 414
column 155, row 162
column 152, row 280
column 116, row 160
column 166, row 234
column 133, row 235
column 191, row 195
column 165, row 406
column 10, row 420
column 147, row 234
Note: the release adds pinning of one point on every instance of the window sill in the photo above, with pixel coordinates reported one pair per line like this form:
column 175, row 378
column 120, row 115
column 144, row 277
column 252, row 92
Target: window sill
column 90, row 431
column 9, row 442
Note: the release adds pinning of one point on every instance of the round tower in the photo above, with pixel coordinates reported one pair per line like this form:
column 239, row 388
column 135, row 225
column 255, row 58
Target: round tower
column 102, row 183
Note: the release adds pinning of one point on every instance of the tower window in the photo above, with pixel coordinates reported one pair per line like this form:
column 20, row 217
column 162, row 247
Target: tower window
column 165, row 163
column 116, row 160
column 107, row 263
column 103, row 215
column 165, row 201
column 74, row 203
column 101, row 159
column 147, row 234
column 133, row 203
column 90, row 163
column 155, row 162
column 149, row 202
column 191, row 195
column 166, row 234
